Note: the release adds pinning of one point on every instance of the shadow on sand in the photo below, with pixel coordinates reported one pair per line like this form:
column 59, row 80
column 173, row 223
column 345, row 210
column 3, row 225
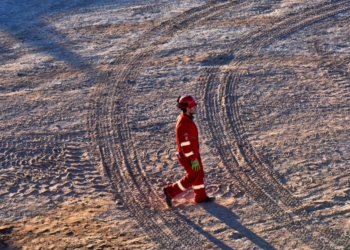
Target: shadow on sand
column 230, row 219
column 25, row 22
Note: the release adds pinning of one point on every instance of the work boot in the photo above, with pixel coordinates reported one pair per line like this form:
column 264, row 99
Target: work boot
column 167, row 198
column 207, row 199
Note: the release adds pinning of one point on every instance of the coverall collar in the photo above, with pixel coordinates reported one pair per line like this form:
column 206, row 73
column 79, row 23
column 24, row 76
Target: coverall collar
column 189, row 116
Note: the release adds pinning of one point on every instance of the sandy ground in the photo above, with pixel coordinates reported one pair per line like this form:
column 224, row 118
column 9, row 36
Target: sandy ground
column 87, row 111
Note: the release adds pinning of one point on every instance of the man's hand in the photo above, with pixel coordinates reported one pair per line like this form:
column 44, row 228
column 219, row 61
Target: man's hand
column 195, row 165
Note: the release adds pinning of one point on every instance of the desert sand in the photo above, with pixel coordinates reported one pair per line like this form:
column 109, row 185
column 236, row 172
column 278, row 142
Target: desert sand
column 87, row 110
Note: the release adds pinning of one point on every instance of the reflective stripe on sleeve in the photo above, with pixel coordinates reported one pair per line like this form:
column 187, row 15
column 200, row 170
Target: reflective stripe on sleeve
column 180, row 186
column 186, row 143
column 198, row 186
column 189, row 154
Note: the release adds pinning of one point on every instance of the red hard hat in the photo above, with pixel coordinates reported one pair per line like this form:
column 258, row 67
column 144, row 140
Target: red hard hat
column 186, row 101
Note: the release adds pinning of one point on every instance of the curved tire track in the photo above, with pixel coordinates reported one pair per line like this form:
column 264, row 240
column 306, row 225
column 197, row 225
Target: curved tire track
column 112, row 140
column 249, row 171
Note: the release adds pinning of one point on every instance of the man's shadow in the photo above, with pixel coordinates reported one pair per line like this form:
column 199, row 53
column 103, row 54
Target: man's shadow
column 230, row 219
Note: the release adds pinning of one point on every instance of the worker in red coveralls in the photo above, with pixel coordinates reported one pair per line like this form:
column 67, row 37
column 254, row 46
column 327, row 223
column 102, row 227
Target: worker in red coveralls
column 188, row 154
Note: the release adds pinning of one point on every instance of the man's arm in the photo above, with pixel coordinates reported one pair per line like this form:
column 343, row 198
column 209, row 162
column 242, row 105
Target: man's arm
column 185, row 143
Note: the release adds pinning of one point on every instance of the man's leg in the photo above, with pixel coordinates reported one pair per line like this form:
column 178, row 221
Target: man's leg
column 194, row 179
column 178, row 187
column 198, row 185
column 200, row 194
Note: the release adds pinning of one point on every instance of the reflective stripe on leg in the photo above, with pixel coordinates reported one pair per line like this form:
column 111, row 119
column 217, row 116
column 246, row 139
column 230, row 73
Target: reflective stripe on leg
column 189, row 154
column 180, row 186
column 198, row 186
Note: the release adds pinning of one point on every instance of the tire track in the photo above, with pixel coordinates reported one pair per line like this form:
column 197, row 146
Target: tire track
column 257, row 164
column 80, row 169
column 36, row 156
column 170, row 27
column 243, row 159
column 109, row 128
column 237, row 168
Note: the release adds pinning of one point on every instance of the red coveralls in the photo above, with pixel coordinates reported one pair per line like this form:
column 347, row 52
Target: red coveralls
column 188, row 150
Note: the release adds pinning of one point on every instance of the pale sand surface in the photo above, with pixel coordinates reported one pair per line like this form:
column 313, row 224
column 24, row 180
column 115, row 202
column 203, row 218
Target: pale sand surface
column 87, row 112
